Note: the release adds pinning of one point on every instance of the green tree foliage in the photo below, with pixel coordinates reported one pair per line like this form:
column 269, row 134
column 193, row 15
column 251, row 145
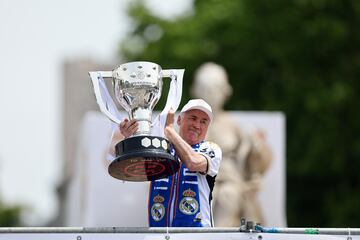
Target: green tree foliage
column 301, row 57
column 9, row 216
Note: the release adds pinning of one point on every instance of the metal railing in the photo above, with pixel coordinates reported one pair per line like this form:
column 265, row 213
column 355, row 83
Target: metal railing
column 258, row 229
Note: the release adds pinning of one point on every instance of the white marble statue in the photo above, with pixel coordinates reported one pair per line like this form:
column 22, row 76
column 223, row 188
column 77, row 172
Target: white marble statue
column 246, row 155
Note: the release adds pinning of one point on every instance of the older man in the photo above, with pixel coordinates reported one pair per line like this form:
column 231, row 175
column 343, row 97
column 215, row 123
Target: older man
column 184, row 199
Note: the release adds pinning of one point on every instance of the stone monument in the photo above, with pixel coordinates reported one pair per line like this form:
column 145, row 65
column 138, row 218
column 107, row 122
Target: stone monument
column 246, row 154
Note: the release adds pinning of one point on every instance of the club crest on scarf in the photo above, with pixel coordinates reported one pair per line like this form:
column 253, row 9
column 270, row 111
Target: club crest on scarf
column 158, row 209
column 188, row 204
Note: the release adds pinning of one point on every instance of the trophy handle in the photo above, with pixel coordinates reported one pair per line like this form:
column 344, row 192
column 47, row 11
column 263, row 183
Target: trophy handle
column 174, row 95
column 173, row 99
column 103, row 97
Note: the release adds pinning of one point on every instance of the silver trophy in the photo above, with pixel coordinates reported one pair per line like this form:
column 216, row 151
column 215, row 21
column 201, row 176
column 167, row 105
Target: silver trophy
column 137, row 87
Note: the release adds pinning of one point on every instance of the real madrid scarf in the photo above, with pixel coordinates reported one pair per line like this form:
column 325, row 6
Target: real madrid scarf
column 186, row 212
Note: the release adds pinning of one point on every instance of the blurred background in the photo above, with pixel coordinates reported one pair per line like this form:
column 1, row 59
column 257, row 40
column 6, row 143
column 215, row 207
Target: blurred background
column 299, row 57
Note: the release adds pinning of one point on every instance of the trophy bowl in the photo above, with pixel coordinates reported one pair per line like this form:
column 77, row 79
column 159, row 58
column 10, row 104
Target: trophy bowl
column 137, row 88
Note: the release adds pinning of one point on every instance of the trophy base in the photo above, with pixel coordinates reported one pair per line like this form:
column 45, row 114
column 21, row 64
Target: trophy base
column 143, row 158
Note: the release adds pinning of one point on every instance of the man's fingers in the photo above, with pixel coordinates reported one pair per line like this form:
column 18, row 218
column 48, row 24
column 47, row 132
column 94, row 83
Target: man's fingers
column 131, row 122
column 133, row 127
column 170, row 116
column 128, row 127
column 122, row 125
column 171, row 111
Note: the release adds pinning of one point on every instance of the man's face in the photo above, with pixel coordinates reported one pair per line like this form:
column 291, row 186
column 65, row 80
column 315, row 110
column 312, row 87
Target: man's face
column 193, row 126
